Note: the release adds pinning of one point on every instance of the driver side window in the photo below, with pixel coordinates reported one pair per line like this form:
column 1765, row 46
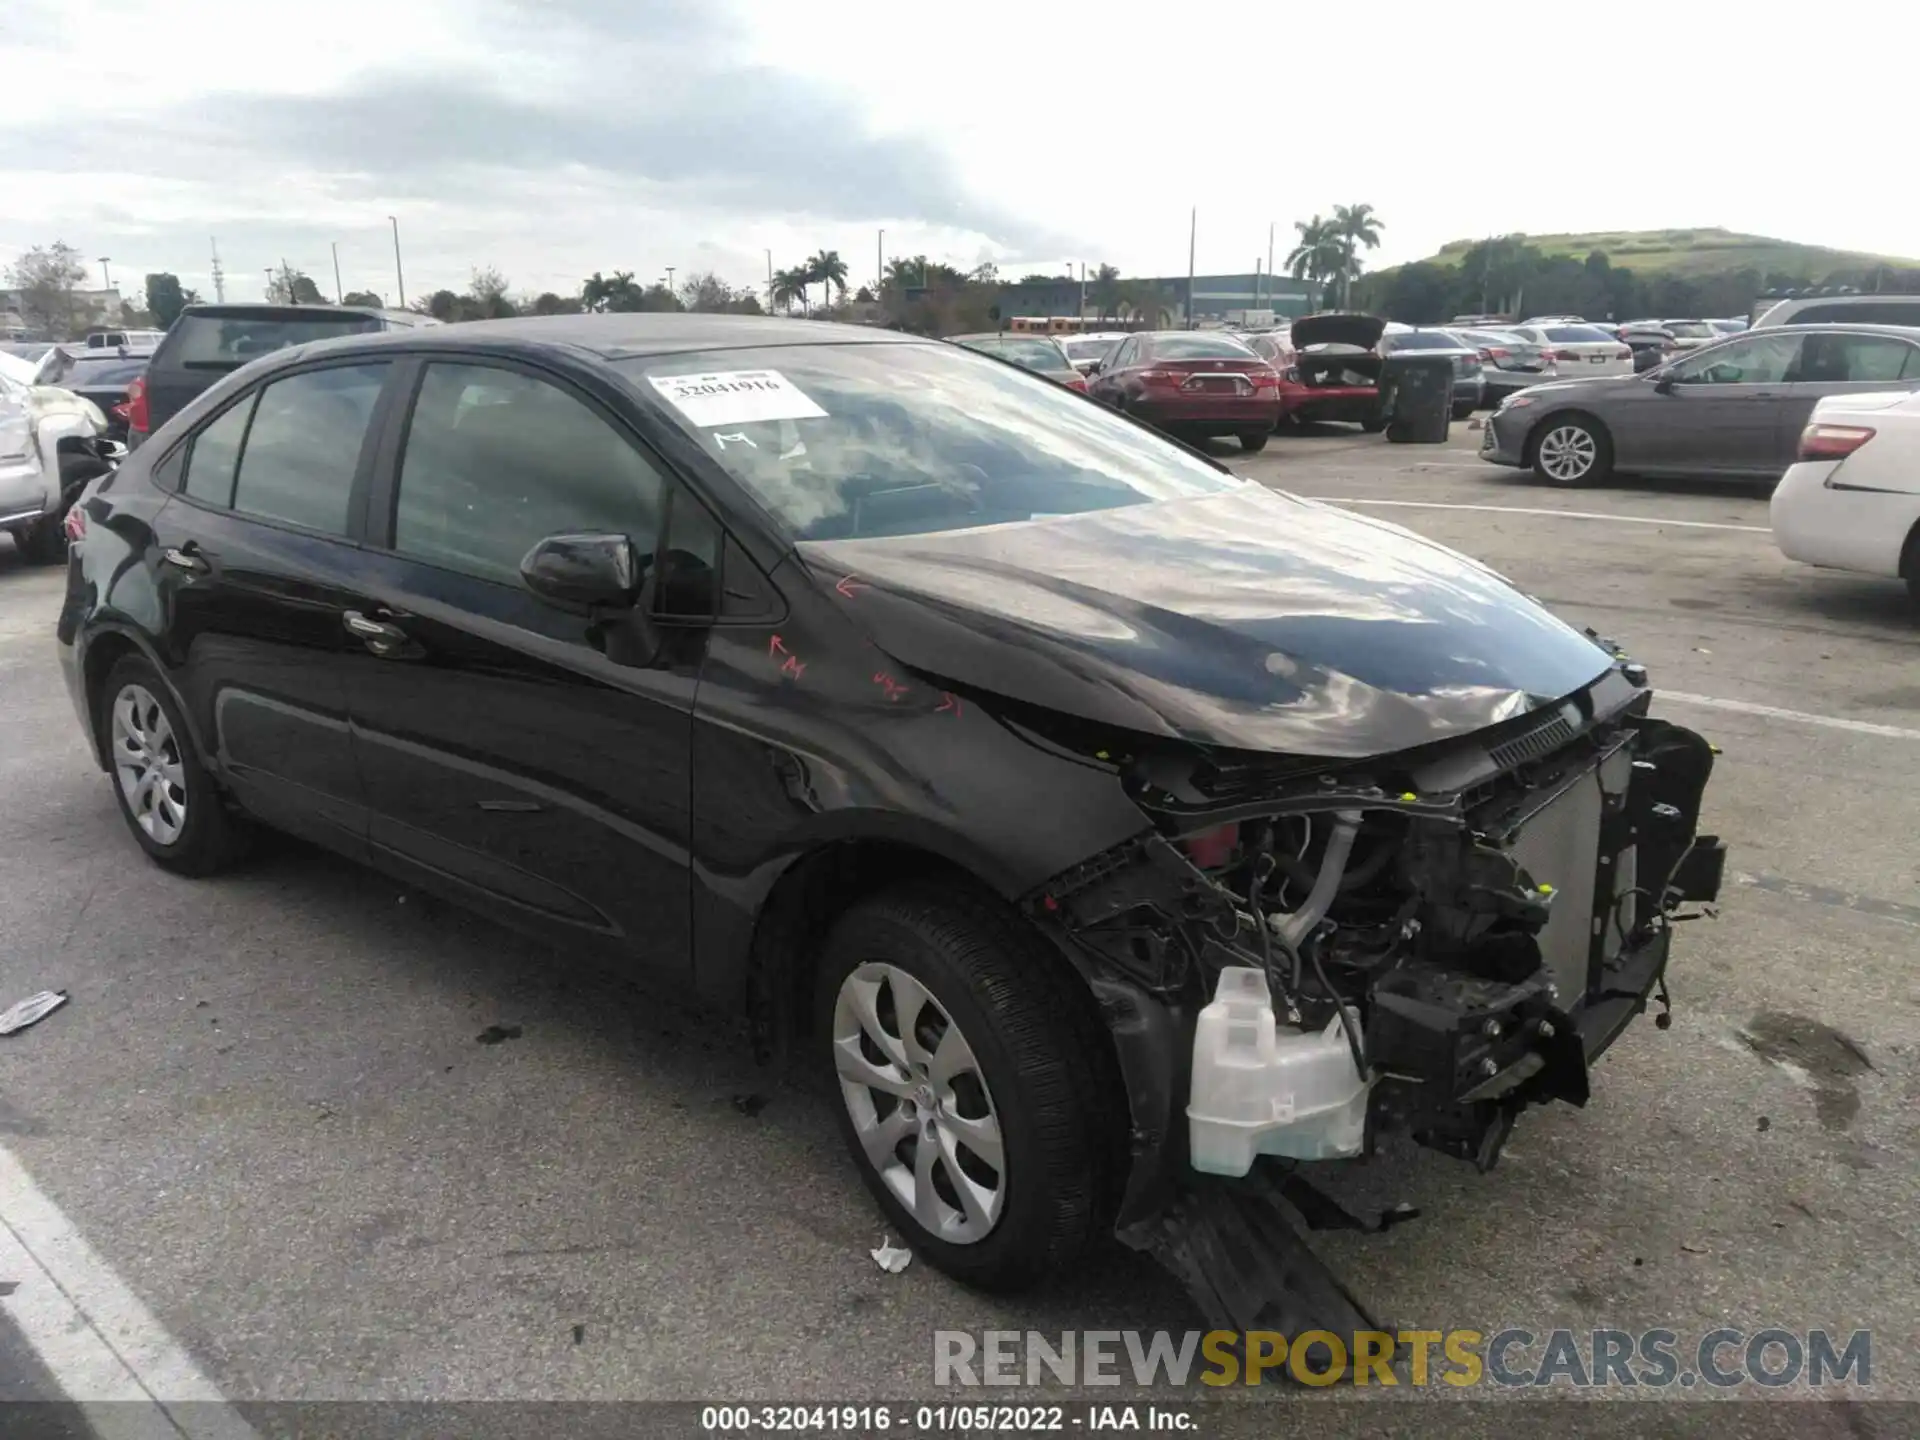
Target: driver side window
column 1123, row 357
column 1756, row 360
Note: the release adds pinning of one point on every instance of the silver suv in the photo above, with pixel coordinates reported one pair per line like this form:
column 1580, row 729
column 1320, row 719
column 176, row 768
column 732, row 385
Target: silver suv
column 1842, row 310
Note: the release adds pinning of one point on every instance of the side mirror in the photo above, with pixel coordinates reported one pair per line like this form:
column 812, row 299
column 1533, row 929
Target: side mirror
column 1093, row 368
column 583, row 571
column 1664, row 382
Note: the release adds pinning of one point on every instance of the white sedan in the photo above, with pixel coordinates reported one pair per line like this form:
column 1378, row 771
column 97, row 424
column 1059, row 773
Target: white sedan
column 1852, row 502
column 1579, row 351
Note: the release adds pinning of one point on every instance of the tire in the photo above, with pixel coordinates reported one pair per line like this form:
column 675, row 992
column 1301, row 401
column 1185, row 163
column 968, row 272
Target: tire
column 1032, row 1063
column 1464, row 410
column 1572, row 436
column 45, row 541
column 182, row 822
column 1373, row 427
column 1254, row 441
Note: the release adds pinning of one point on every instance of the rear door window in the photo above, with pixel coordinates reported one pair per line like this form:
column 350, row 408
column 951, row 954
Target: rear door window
column 215, row 455
column 303, row 449
column 1852, row 359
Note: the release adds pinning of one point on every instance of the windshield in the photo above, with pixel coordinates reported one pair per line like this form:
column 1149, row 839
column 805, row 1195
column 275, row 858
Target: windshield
column 1034, row 354
column 1089, row 349
column 847, row 441
column 1198, row 347
column 220, row 342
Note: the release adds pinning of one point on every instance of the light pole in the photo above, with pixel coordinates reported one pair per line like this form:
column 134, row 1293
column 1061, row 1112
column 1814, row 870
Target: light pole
column 1193, row 239
column 269, row 282
column 106, row 280
column 337, row 291
column 769, row 281
column 399, row 281
column 1269, row 264
column 669, row 279
column 879, row 264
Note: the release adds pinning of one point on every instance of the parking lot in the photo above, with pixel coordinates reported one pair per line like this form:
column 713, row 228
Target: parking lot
column 272, row 1113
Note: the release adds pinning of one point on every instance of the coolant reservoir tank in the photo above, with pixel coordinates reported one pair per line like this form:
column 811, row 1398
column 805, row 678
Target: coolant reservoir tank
column 1260, row 1090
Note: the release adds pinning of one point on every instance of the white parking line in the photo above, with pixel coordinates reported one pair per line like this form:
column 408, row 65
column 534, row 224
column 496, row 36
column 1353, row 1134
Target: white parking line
column 1774, row 712
column 101, row 1345
column 1557, row 514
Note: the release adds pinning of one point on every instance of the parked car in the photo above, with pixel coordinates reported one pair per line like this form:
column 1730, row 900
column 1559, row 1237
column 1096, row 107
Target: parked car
column 1537, row 320
column 1734, row 408
column 1509, row 362
column 1335, row 374
column 1192, row 384
column 1733, row 325
column 1042, row 354
column 1690, row 334
column 144, row 341
column 209, row 341
column 947, row 727
column 1841, row 310
column 1087, row 351
column 1652, row 344
column 1468, row 390
column 1582, row 349
column 106, row 377
column 1851, row 500
column 52, row 442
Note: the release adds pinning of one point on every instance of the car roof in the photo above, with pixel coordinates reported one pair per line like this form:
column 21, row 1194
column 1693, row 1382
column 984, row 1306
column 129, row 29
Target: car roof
column 266, row 310
column 621, row 336
column 1847, row 327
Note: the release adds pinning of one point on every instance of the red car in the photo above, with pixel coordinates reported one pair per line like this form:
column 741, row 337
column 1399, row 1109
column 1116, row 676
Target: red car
column 1329, row 368
column 1192, row 384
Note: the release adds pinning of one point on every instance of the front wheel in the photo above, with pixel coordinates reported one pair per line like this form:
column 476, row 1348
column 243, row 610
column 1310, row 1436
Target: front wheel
column 1254, row 441
column 978, row 1097
column 1572, row 450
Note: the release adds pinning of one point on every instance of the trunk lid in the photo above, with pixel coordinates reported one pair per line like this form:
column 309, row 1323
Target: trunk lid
column 1338, row 328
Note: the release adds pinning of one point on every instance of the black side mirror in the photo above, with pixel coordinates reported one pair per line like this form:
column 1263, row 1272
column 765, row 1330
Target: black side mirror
column 1663, row 383
column 583, row 571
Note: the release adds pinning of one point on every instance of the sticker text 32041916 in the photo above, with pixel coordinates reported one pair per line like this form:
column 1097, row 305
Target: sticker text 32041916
column 736, row 397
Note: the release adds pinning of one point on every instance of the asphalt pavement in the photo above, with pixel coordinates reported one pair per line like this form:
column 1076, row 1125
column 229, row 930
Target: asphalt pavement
column 298, row 1174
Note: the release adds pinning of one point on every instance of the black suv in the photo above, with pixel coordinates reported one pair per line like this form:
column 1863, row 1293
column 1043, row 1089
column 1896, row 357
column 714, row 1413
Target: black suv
column 207, row 342
column 966, row 736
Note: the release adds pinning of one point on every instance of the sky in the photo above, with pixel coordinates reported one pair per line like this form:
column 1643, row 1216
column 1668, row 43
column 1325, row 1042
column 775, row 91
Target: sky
column 553, row 138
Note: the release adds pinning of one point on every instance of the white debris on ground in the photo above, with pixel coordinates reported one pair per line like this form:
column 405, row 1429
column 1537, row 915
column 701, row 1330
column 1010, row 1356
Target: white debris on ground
column 31, row 1010
column 891, row 1258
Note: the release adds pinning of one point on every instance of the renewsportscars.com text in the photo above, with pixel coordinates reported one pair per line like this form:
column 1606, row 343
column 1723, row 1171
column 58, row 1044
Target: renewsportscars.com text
column 1769, row 1356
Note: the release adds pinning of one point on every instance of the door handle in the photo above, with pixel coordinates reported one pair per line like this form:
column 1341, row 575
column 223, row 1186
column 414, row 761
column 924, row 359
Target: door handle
column 380, row 637
column 186, row 557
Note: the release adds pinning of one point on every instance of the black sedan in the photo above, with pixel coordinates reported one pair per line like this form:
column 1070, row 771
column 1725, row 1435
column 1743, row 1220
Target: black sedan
column 968, row 738
column 105, row 378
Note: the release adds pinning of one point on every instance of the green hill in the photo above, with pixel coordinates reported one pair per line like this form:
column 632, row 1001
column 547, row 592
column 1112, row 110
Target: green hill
column 1680, row 253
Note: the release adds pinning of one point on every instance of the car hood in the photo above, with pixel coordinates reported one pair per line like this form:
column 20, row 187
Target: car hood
column 1587, row 386
column 1251, row 620
column 1338, row 328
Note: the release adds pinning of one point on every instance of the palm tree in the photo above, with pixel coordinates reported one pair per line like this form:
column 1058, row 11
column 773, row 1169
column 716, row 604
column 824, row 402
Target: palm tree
column 789, row 286
column 1141, row 300
column 1104, row 290
column 1356, row 225
column 830, row 271
column 1317, row 257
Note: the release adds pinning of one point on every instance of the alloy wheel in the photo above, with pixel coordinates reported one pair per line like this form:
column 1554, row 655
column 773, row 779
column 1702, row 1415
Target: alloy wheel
column 148, row 764
column 919, row 1103
column 1568, row 452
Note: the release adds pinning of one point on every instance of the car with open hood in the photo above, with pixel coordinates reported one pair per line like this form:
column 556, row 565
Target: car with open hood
column 52, row 442
column 1058, row 796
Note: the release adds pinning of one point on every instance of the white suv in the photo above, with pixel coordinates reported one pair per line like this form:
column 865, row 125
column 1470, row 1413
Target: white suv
column 1843, row 310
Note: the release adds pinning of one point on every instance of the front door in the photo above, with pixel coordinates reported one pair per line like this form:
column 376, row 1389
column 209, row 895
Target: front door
column 1722, row 410
column 255, row 559
column 512, row 751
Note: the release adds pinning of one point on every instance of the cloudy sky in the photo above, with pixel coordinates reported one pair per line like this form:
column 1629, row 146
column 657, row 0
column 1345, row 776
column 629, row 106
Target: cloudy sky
column 551, row 138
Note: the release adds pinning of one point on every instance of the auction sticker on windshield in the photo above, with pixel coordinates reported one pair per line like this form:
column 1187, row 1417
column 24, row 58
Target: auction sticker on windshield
column 736, row 397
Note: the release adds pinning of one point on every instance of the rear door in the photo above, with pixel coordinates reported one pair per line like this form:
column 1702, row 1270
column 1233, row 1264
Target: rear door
column 1840, row 364
column 525, row 757
column 1723, row 411
column 257, row 553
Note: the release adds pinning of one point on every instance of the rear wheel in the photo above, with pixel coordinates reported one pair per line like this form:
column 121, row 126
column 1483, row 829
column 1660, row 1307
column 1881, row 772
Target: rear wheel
column 977, row 1094
column 1572, row 450
column 1254, row 441
column 166, row 794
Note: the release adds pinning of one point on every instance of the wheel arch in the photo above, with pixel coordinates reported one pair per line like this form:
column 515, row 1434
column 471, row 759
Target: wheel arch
column 106, row 648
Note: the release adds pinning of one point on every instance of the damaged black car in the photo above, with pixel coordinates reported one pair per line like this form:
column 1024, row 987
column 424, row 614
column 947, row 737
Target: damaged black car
column 1116, row 837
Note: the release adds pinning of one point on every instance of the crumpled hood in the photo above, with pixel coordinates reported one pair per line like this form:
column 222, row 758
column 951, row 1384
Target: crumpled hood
column 1250, row 620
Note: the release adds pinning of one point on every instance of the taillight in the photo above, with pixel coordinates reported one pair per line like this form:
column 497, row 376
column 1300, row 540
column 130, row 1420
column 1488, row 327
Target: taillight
column 136, row 406
column 1164, row 377
column 1623, row 353
column 75, row 525
column 1487, row 357
column 1076, row 382
column 1268, row 379
column 1832, row 442
column 1563, row 354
